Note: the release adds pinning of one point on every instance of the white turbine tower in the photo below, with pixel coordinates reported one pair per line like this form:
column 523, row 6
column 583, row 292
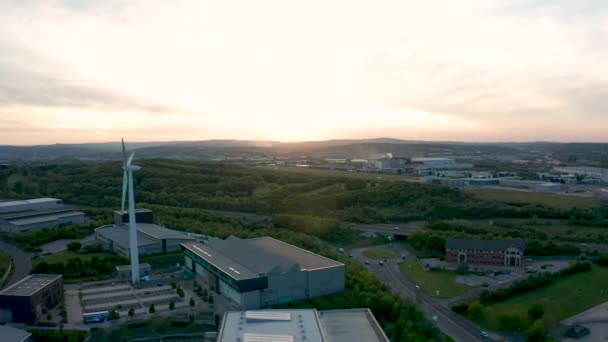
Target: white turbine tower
column 128, row 182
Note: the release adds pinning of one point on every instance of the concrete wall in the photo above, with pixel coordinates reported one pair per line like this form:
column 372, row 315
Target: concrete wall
column 285, row 287
column 251, row 300
column 326, row 281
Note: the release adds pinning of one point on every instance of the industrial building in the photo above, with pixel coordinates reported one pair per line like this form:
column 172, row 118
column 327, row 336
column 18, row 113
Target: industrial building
column 301, row 325
column 29, row 205
column 151, row 238
column 38, row 220
column 485, row 252
column 261, row 272
column 10, row 334
column 30, row 298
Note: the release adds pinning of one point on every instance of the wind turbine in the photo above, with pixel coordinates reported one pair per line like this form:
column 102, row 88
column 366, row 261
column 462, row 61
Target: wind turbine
column 128, row 182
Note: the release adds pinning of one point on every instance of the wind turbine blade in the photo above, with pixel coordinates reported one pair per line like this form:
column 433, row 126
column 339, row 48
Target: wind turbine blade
column 130, row 158
column 124, row 189
column 124, row 152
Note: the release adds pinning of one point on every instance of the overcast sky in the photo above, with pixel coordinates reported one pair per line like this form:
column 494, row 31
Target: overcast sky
column 485, row 70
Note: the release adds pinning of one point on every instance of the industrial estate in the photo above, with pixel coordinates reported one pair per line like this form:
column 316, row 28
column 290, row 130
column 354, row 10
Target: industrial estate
column 133, row 271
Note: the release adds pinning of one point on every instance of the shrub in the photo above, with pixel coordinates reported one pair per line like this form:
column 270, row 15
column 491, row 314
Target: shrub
column 535, row 311
column 152, row 308
column 74, row 246
column 462, row 309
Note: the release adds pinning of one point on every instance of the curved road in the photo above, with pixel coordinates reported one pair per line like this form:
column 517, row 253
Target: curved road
column 22, row 262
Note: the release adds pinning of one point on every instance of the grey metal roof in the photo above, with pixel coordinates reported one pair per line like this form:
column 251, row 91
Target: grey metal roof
column 159, row 232
column 10, row 334
column 230, row 267
column 43, row 218
column 484, row 245
column 351, row 325
column 301, row 323
column 249, row 258
column 21, row 202
column 305, row 259
column 30, row 284
column 120, row 236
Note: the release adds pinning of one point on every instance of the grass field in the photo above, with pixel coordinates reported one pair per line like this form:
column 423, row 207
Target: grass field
column 522, row 197
column 66, row 255
column 4, row 263
column 432, row 281
column 569, row 296
column 380, row 253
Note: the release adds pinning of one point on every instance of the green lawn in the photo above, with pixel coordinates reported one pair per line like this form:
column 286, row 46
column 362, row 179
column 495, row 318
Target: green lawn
column 380, row 253
column 66, row 255
column 569, row 296
column 431, row 281
column 523, row 197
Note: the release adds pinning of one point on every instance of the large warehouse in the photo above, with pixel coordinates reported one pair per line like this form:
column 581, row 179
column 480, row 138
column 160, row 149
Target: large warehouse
column 33, row 221
column 151, row 238
column 30, row 298
column 261, row 272
column 31, row 204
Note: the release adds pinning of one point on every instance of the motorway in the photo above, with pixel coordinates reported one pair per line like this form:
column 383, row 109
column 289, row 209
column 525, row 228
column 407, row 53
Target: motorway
column 450, row 323
column 22, row 262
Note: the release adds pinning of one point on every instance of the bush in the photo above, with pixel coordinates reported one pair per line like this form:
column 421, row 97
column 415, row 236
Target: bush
column 192, row 302
column 74, row 246
column 535, row 311
column 172, row 305
column 131, row 312
column 152, row 308
column 462, row 309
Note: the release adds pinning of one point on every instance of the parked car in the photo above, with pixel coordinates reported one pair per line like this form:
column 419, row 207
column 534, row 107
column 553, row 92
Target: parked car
column 485, row 334
column 381, row 263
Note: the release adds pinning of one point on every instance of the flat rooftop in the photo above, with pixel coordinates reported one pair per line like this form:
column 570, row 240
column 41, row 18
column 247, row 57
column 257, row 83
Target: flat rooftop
column 161, row 233
column 301, row 325
column 351, row 325
column 30, row 201
column 30, row 285
column 307, row 260
column 230, row 267
column 251, row 258
column 270, row 325
column 43, row 218
column 120, row 236
column 10, row 334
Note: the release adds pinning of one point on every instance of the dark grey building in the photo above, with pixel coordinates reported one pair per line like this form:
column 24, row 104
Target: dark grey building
column 10, row 334
column 261, row 272
column 31, row 297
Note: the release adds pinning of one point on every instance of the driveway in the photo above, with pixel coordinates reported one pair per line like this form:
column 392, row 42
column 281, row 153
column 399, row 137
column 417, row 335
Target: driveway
column 22, row 262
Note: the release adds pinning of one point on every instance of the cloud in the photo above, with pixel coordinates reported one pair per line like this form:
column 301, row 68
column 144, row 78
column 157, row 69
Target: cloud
column 309, row 70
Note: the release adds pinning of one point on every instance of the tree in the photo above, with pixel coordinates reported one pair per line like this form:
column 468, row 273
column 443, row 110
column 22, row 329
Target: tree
column 535, row 311
column 74, row 246
column 172, row 305
column 205, row 293
column 210, row 299
column 192, row 302
column 114, row 315
column 131, row 312
column 152, row 308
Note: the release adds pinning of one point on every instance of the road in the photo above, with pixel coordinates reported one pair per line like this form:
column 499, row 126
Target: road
column 22, row 262
column 450, row 323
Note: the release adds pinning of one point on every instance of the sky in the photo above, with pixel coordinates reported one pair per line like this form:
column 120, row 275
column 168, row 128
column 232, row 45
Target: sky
column 75, row 71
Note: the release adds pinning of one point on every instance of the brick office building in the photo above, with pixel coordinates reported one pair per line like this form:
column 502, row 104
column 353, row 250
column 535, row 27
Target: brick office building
column 508, row 253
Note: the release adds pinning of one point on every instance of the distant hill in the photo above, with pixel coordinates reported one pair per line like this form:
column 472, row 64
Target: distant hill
column 346, row 148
